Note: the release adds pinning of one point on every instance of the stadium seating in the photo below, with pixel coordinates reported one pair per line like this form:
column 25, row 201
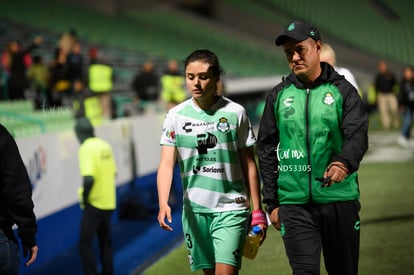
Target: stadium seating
column 162, row 32
column 159, row 34
column 356, row 23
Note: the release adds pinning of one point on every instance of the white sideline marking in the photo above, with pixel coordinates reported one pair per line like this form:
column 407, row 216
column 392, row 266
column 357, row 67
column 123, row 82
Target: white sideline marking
column 383, row 147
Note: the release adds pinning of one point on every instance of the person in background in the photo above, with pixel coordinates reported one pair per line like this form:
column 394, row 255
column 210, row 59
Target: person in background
column 328, row 55
column 313, row 135
column 146, row 85
column 406, row 102
column 100, row 79
column 97, row 198
column 38, row 74
column 172, row 83
column 66, row 42
column 16, row 208
column 16, row 61
column 59, row 83
column 213, row 140
column 75, row 63
column 385, row 86
column 86, row 103
column 80, row 95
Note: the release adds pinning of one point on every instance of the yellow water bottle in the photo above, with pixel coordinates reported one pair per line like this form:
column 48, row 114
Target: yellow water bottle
column 252, row 243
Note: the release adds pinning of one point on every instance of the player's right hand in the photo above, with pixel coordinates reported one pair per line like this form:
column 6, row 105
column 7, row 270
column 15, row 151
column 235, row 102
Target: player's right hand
column 165, row 213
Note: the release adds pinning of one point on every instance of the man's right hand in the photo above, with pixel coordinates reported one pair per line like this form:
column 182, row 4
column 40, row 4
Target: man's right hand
column 274, row 218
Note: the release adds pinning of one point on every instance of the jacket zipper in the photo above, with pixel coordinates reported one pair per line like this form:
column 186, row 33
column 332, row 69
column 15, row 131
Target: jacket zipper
column 308, row 144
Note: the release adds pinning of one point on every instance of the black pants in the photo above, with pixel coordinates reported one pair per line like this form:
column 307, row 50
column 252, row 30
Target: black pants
column 334, row 228
column 96, row 222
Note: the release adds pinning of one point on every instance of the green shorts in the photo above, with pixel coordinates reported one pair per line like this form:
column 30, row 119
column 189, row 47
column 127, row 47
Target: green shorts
column 215, row 238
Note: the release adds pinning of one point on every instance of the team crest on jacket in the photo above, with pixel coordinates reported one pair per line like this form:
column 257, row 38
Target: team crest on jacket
column 328, row 100
column 223, row 126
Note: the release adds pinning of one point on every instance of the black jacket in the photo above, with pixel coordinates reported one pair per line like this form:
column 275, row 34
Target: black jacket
column 406, row 97
column 16, row 205
column 146, row 86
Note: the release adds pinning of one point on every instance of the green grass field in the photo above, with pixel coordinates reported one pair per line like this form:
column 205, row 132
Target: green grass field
column 387, row 228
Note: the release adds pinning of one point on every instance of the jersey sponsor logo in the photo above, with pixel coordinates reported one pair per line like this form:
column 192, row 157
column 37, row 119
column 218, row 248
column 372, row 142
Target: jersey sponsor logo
column 237, row 253
column 190, row 259
column 288, row 101
column 282, row 229
column 202, row 124
column 202, row 158
column 357, row 225
column 205, row 141
column 208, row 170
column 288, row 110
column 187, row 127
column 223, row 125
column 213, row 170
column 196, row 169
column 207, row 125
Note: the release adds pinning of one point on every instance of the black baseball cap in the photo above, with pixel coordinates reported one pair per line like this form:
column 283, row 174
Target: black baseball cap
column 298, row 30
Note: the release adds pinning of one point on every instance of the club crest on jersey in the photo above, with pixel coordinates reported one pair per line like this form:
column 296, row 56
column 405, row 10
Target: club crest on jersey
column 223, row 126
column 328, row 100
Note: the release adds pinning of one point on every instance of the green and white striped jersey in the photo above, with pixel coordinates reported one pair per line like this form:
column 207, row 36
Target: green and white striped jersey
column 207, row 142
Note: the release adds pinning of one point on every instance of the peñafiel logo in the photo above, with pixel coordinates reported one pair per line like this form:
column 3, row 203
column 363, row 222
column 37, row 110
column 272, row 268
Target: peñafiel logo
column 205, row 141
column 37, row 166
